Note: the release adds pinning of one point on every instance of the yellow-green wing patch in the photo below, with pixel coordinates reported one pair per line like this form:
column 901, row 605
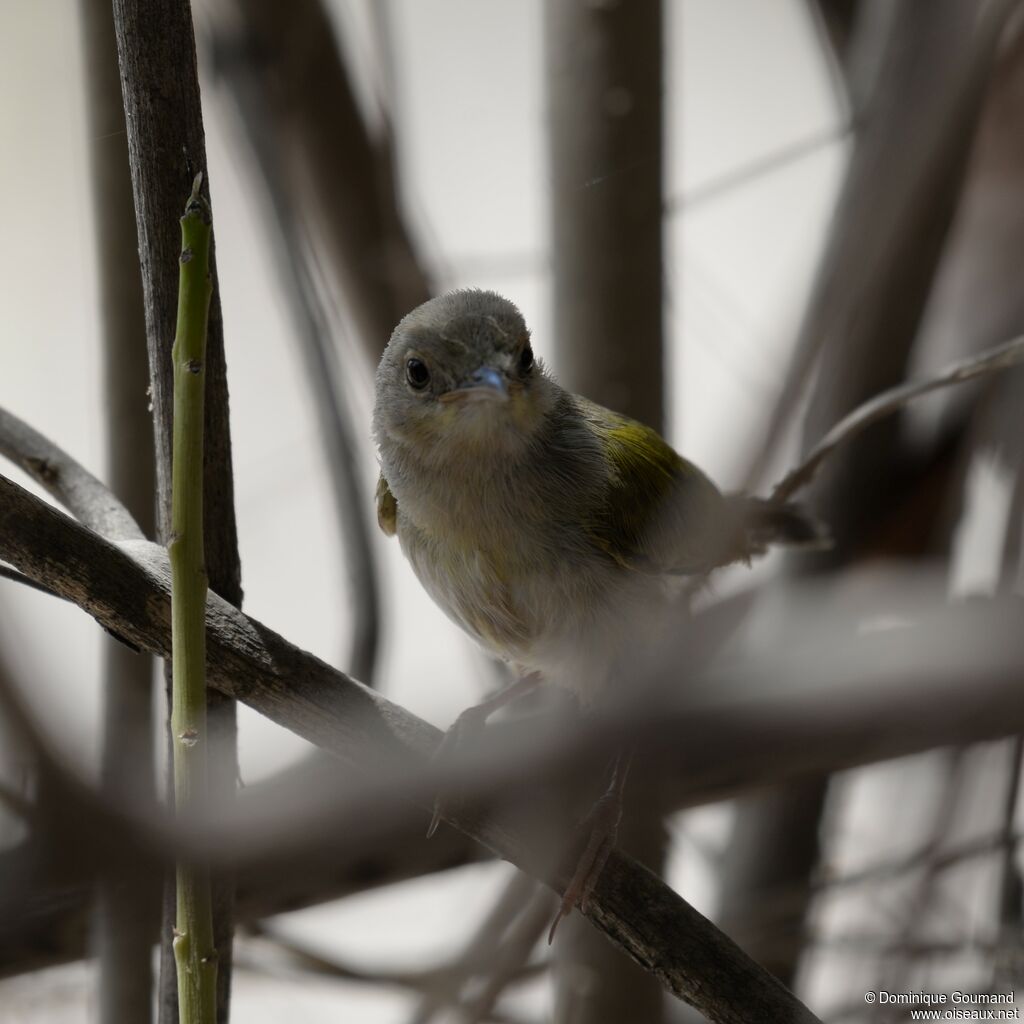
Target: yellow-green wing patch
column 661, row 514
column 387, row 508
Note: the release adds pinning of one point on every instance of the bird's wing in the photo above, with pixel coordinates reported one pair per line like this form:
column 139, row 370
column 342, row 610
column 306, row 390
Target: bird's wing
column 387, row 508
column 660, row 513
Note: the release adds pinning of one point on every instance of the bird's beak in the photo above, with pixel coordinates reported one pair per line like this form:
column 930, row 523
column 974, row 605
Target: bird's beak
column 486, row 385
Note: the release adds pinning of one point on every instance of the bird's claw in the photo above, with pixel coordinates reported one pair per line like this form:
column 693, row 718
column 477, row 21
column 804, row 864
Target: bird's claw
column 435, row 818
column 461, row 730
column 469, row 725
column 603, row 825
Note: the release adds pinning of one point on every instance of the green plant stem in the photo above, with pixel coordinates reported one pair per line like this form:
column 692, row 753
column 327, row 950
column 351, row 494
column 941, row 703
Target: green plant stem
column 194, row 948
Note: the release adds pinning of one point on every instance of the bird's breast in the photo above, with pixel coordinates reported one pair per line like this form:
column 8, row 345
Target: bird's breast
column 505, row 551
column 490, row 582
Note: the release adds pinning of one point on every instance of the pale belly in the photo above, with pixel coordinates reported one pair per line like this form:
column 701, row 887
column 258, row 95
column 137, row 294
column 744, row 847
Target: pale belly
column 573, row 620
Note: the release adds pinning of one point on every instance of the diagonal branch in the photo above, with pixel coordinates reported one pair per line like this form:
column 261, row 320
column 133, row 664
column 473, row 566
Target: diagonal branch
column 249, row 662
column 88, row 499
column 994, row 360
column 794, row 707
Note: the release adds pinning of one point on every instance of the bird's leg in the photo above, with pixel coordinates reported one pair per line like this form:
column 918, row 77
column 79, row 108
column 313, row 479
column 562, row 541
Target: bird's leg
column 471, row 722
column 601, row 826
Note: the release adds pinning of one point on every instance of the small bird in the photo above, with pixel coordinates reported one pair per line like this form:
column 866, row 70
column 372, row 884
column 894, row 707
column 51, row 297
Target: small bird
column 543, row 524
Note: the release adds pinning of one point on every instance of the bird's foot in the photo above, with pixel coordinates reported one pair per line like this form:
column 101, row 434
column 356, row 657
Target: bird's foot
column 468, row 726
column 462, row 732
column 601, row 826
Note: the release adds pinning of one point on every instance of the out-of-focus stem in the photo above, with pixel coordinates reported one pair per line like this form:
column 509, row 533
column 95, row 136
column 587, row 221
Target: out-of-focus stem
column 127, row 909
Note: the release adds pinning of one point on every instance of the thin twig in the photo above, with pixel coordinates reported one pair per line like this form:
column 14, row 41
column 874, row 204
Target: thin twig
column 993, row 360
column 511, row 956
column 7, row 573
column 305, row 958
column 478, row 950
column 899, row 188
column 939, row 861
column 760, row 167
column 82, row 494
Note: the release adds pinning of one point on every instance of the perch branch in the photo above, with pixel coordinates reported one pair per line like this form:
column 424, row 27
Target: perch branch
column 250, row 663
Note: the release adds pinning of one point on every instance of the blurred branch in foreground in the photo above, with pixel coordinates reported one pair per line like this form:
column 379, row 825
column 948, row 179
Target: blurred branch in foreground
column 604, row 71
column 51, row 926
column 128, row 908
column 773, row 710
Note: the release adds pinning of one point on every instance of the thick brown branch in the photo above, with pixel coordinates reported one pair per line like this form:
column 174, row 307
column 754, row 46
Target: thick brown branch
column 251, row 663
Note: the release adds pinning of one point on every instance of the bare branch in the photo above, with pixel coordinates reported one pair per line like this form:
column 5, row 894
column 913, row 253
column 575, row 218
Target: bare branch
column 916, row 672
column 994, row 360
column 511, row 956
column 303, row 957
column 605, row 130
column 722, row 737
column 85, row 497
column 52, row 925
column 249, row 662
column 7, row 573
column 478, row 950
column 126, row 917
column 896, row 202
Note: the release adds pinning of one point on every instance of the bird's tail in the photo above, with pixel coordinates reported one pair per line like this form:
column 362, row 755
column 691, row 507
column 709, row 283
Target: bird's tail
column 768, row 523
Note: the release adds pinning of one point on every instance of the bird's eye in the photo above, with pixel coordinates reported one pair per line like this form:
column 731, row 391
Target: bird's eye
column 526, row 359
column 417, row 374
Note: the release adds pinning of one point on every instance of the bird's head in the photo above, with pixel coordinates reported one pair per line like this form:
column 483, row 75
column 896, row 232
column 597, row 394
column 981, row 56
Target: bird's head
column 459, row 378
